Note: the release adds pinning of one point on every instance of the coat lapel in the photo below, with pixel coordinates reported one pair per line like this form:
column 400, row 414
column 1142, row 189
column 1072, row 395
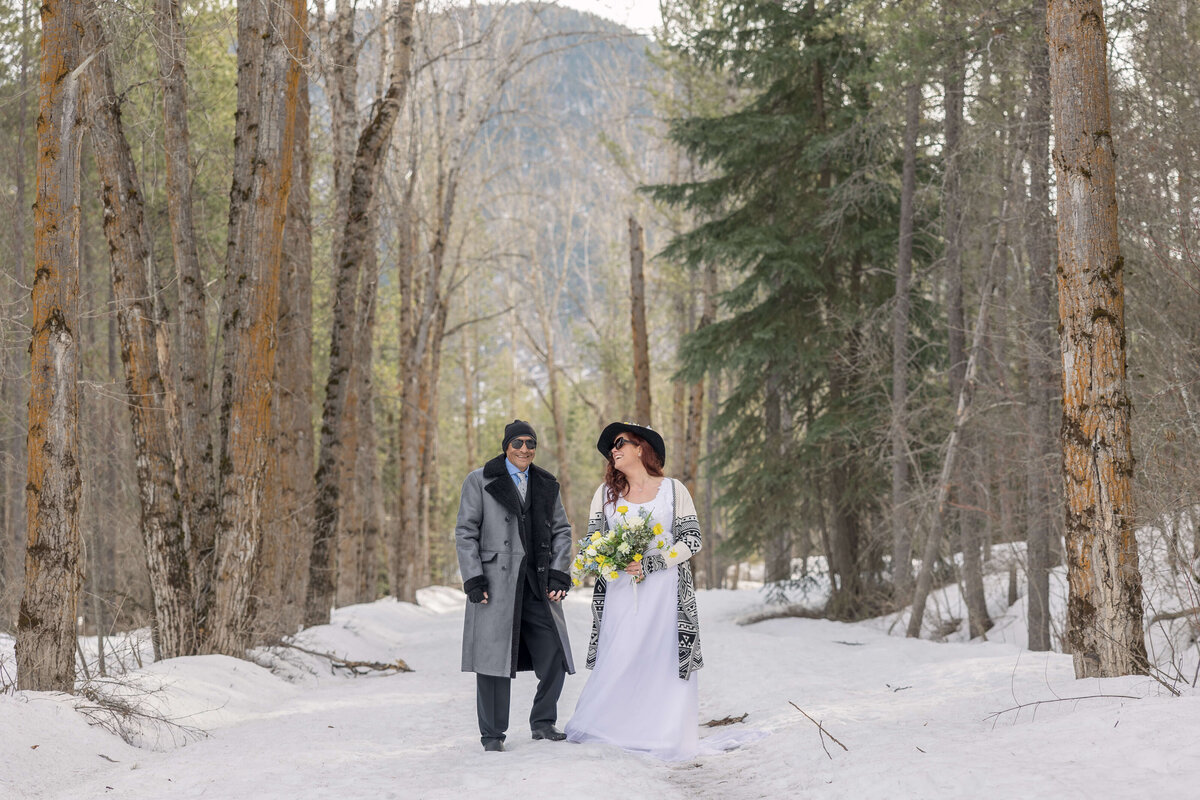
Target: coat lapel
column 505, row 491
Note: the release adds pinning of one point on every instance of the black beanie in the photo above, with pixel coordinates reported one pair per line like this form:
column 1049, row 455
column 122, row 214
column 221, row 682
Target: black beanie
column 518, row 427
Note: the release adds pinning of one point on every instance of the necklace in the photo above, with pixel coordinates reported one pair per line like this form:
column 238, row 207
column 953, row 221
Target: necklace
column 640, row 489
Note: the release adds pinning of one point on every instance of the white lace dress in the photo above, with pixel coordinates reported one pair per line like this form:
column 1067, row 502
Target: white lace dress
column 634, row 697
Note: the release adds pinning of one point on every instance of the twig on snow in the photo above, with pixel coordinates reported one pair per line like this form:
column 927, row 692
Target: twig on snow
column 716, row 723
column 823, row 732
column 354, row 667
column 1037, row 703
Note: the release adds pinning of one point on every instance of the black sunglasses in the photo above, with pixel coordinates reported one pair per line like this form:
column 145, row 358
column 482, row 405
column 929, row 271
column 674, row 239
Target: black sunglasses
column 621, row 442
column 520, row 444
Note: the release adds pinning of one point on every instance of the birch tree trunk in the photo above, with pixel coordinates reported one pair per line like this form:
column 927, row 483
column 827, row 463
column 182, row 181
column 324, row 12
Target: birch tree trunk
column 257, row 221
column 1104, row 610
column 1040, row 345
column 45, row 645
column 641, row 347
column 901, row 528
column 145, row 352
column 369, row 156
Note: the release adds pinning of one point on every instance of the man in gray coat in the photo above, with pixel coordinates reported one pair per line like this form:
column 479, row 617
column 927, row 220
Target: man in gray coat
column 514, row 550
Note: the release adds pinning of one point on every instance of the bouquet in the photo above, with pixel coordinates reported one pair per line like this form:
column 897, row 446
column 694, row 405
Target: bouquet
column 608, row 554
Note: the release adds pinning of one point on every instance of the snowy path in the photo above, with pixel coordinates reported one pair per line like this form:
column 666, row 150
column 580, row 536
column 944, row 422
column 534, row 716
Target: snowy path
column 413, row 736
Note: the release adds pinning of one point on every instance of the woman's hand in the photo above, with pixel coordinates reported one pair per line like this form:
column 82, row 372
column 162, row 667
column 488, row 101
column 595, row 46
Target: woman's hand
column 635, row 569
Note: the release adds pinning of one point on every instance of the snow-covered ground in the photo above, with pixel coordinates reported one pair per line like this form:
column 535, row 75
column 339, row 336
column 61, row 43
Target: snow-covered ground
column 918, row 719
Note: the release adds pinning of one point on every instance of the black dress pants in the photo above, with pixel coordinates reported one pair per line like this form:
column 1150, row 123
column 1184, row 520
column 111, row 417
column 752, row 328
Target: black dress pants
column 539, row 637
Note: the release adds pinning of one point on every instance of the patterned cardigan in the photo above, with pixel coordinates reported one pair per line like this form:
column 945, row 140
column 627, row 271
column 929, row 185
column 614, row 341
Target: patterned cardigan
column 686, row 532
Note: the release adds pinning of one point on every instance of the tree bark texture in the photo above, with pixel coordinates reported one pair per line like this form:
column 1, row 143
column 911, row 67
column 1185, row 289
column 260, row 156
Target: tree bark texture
column 1104, row 609
column 369, row 156
column 901, row 529
column 257, row 224
column 194, row 395
column 145, row 352
column 1041, row 346
column 284, row 569
column 641, row 346
column 46, row 642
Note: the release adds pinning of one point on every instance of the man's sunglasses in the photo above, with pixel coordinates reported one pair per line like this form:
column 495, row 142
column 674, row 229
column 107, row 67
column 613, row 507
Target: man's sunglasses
column 520, row 444
column 621, row 442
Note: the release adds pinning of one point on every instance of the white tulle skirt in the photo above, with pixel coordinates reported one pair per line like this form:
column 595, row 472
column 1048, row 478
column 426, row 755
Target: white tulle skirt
column 634, row 697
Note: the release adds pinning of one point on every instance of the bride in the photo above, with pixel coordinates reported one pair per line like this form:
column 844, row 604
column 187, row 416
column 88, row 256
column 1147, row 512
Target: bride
column 645, row 647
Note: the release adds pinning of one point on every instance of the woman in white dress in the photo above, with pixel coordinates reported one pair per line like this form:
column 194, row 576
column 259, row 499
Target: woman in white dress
column 645, row 646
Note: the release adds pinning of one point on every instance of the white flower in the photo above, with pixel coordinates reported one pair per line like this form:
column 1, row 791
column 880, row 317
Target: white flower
column 591, row 551
column 624, row 547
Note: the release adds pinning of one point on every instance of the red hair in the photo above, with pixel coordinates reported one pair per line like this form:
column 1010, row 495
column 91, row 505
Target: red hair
column 616, row 481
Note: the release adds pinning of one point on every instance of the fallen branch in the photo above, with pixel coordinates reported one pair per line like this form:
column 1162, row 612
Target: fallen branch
column 716, row 723
column 354, row 667
column 823, row 732
column 1037, row 703
column 780, row 613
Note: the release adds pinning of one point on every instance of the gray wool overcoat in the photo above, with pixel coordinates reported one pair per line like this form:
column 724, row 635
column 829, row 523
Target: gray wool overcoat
column 488, row 541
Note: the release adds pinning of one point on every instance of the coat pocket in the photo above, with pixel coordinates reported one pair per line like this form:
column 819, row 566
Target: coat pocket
column 488, row 556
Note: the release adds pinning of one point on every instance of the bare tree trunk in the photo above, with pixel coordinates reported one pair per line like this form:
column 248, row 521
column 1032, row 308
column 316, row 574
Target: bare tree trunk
column 901, row 527
column 284, row 567
column 937, row 532
column 257, row 222
column 145, row 351
column 198, row 488
column 469, row 351
column 716, row 563
column 12, row 464
column 559, row 412
column 641, row 347
column 46, row 625
column 1041, row 345
column 777, row 553
column 695, row 424
column 369, row 156
column 1104, row 611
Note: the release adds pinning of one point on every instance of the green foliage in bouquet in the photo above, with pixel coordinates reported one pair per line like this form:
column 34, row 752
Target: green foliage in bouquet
column 607, row 554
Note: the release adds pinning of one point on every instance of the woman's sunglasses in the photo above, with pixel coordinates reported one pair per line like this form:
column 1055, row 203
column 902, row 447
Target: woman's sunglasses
column 521, row 444
column 621, row 442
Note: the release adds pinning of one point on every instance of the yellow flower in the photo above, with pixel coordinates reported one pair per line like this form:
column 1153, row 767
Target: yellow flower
column 658, row 529
column 612, row 576
column 637, row 556
column 622, row 509
column 597, row 536
column 661, row 545
column 672, row 554
column 576, row 581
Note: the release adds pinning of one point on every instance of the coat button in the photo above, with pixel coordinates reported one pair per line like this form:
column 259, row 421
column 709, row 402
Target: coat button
column 506, row 542
column 508, row 518
column 541, row 569
column 503, row 566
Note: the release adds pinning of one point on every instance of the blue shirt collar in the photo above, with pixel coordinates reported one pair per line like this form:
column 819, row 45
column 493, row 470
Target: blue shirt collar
column 512, row 470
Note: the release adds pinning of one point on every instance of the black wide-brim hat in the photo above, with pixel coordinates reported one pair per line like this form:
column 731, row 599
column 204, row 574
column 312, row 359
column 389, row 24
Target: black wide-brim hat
column 652, row 437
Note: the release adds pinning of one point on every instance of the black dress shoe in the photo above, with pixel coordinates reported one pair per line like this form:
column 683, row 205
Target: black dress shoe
column 493, row 746
column 548, row 732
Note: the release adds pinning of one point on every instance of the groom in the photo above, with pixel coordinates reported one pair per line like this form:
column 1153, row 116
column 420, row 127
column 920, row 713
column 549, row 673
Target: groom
column 514, row 550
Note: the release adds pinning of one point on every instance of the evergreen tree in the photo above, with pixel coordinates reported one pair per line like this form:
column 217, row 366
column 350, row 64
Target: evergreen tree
column 802, row 208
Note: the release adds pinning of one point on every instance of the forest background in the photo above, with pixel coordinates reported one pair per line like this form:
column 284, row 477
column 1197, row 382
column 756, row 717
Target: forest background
column 836, row 218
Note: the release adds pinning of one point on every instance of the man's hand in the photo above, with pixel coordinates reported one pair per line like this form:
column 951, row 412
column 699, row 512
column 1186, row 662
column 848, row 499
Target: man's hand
column 558, row 584
column 476, row 589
